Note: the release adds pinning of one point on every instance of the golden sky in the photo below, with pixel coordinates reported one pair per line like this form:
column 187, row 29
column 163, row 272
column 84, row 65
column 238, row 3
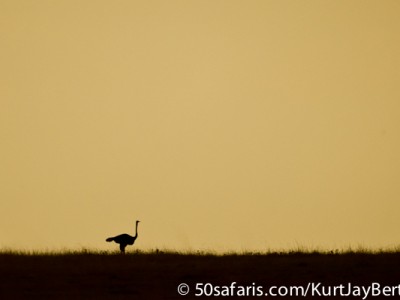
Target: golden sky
column 225, row 125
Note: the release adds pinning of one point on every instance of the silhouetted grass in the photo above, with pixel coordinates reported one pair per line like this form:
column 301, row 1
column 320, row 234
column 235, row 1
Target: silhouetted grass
column 155, row 274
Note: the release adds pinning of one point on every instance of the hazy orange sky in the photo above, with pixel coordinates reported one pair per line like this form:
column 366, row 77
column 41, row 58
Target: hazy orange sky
column 226, row 125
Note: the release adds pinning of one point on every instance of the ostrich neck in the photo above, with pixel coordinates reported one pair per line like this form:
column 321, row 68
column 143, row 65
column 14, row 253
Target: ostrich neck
column 136, row 230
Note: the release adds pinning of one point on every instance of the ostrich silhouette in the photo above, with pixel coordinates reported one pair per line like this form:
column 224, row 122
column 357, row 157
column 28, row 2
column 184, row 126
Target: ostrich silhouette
column 124, row 239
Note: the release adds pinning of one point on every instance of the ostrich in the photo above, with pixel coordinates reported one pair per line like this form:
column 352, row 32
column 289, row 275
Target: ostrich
column 124, row 239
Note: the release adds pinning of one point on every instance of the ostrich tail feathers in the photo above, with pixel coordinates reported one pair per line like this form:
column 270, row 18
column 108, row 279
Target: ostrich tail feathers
column 109, row 239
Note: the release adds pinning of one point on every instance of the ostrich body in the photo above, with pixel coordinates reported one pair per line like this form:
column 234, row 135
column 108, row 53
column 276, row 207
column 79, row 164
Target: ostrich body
column 124, row 239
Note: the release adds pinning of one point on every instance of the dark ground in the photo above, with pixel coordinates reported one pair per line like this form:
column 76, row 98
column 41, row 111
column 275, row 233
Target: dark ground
column 157, row 275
